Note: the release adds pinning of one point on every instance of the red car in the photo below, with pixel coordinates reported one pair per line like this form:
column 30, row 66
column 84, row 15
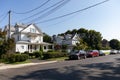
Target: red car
column 93, row 53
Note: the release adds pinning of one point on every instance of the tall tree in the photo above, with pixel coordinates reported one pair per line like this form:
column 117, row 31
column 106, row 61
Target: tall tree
column 68, row 32
column 74, row 31
column 105, row 44
column 93, row 39
column 114, row 44
column 47, row 38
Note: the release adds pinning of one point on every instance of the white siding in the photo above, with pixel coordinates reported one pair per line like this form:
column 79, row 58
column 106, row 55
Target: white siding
column 21, row 48
column 20, row 28
column 24, row 37
column 28, row 29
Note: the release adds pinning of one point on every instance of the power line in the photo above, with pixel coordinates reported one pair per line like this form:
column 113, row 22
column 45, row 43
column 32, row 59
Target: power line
column 3, row 18
column 32, row 9
column 41, row 11
column 72, row 12
column 51, row 11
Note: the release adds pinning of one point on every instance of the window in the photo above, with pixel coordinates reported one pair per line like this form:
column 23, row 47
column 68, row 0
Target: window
column 45, row 47
column 22, row 47
column 32, row 30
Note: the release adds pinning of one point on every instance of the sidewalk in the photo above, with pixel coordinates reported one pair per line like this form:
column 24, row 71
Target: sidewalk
column 8, row 66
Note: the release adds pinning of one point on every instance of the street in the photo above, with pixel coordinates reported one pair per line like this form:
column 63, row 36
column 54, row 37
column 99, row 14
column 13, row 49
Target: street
column 98, row 68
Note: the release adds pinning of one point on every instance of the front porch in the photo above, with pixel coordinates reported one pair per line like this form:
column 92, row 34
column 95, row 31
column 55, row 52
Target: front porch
column 31, row 47
column 37, row 47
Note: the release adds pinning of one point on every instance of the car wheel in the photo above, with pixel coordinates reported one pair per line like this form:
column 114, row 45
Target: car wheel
column 92, row 56
column 78, row 57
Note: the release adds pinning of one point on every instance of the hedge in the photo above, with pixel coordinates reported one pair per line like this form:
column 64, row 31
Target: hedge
column 11, row 58
column 48, row 55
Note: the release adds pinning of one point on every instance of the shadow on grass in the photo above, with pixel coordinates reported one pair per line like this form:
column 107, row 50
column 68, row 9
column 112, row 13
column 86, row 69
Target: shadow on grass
column 96, row 71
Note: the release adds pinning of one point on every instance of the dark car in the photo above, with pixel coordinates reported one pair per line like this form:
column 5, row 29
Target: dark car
column 77, row 54
column 93, row 53
column 101, row 53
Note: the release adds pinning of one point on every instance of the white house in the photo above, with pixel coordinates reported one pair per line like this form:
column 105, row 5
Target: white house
column 27, row 38
column 69, row 39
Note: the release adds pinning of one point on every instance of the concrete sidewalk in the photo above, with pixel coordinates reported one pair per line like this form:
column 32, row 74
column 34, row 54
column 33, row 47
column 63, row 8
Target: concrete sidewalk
column 8, row 66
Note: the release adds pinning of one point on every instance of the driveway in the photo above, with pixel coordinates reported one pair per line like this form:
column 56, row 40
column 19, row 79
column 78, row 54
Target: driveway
column 99, row 68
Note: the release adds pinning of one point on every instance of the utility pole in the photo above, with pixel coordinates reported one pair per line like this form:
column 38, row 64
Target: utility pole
column 9, row 13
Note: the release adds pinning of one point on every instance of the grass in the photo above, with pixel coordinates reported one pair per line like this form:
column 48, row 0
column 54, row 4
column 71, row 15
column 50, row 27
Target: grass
column 24, row 62
column 107, row 53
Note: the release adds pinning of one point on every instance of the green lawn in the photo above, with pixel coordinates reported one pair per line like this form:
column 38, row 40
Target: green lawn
column 24, row 62
column 107, row 53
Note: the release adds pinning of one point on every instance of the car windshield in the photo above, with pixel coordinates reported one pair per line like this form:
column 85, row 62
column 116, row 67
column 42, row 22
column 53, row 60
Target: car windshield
column 90, row 51
column 76, row 51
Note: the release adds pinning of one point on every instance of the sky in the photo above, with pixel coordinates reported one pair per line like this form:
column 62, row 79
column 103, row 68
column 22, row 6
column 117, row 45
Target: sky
column 104, row 18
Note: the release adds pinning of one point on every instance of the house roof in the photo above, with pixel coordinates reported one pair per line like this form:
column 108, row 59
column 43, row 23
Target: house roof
column 11, row 28
column 34, row 26
column 21, row 25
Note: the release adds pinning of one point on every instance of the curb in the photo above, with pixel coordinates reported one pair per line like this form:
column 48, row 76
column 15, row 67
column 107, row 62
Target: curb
column 24, row 65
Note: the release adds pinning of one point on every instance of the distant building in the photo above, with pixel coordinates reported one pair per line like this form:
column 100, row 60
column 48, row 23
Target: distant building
column 27, row 38
column 69, row 39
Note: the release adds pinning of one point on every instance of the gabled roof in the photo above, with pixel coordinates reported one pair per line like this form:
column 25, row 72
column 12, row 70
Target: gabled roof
column 74, row 36
column 34, row 26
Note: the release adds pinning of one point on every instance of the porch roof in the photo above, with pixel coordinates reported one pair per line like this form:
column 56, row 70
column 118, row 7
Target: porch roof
column 26, row 42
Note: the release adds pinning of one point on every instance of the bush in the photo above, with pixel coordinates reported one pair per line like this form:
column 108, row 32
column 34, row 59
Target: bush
column 54, row 55
column 17, row 52
column 11, row 58
column 38, row 54
column 50, row 50
column 26, row 52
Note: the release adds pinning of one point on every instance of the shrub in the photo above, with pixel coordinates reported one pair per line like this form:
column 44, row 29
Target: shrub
column 11, row 58
column 17, row 52
column 26, row 52
column 54, row 55
column 50, row 50
column 38, row 54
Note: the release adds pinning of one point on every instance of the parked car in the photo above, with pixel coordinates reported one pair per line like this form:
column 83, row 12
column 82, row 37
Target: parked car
column 77, row 54
column 93, row 53
column 101, row 53
column 118, row 51
column 113, row 52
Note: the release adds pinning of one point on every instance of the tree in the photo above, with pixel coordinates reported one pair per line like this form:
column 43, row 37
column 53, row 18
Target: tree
column 93, row 39
column 68, row 32
column 74, row 31
column 7, row 46
column 47, row 38
column 105, row 44
column 114, row 44
column 81, row 45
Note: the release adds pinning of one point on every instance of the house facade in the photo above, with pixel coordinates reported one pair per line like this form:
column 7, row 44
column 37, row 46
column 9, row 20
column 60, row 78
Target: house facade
column 27, row 38
column 68, row 39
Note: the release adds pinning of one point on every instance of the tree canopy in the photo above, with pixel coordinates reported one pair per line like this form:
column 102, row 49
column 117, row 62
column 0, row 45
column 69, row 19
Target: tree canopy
column 114, row 44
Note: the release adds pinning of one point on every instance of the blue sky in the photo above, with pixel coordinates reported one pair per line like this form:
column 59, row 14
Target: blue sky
column 103, row 18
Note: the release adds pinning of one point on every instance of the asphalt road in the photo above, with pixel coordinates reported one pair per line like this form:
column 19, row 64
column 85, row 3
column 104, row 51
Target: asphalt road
column 99, row 68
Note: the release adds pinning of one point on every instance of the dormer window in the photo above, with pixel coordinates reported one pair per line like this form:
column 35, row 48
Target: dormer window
column 32, row 30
